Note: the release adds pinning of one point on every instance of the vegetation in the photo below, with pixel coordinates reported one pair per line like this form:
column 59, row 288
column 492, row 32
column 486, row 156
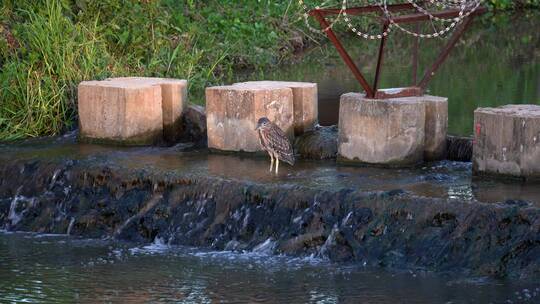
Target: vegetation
column 513, row 4
column 47, row 47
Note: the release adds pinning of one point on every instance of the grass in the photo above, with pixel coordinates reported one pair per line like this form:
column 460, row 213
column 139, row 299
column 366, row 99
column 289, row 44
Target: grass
column 47, row 47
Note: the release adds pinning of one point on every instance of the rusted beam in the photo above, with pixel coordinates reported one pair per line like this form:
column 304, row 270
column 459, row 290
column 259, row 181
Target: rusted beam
column 415, row 56
column 445, row 52
column 380, row 57
column 344, row 55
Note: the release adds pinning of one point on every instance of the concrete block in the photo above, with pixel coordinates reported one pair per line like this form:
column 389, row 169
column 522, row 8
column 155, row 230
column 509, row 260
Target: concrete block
column 436, row 127
column 507, row 141
column 232, row 113
column 305, row 100
column 381, row 131
column 174, row 100
column 120, row 112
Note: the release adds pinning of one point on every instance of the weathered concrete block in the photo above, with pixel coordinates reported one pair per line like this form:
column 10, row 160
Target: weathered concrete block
column 120, row 112
column 174, row 100
column 381, row 131
column 232, row 113
column 507, row 141
column 436, row 127
column 305, row 100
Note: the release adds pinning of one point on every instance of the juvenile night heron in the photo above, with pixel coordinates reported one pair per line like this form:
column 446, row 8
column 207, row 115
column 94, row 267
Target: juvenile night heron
column 275, row 142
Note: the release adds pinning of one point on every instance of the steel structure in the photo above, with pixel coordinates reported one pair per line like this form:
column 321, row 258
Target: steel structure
column 412, row 16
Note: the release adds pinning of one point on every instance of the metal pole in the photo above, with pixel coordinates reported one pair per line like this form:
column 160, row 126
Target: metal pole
column 444, row 53
column 415, row 57
column 344, row 55
column 380, row 58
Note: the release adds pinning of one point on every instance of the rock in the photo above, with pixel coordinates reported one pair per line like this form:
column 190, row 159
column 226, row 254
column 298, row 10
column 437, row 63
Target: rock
column 101, row 197
column 305, row 100
column 459, row 148
column 232, row 113
column 120, row 112
column 386, row 132
column 436, row 127
column 507, row 141
column 320, row 143
column 193, row 127
column 174, row 99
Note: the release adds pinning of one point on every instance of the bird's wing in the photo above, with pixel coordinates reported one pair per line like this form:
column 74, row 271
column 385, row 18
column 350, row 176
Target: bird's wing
column 280, row 144
column 263, row 140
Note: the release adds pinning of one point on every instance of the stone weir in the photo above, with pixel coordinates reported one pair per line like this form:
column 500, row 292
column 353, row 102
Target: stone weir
column 226, row 202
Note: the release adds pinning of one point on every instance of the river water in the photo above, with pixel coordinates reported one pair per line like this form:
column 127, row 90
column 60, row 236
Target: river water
column 496, row 63
column 59, row 269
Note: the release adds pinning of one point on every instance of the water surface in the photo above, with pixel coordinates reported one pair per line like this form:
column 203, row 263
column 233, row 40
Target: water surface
column 40, row 268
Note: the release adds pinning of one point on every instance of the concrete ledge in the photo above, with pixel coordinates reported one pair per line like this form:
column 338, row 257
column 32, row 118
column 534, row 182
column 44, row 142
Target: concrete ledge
column 386, row 132
column 232, row 113
column 305, row 102
column 507, row 141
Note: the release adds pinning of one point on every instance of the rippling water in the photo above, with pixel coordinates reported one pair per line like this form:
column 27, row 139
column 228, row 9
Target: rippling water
column 45, row 268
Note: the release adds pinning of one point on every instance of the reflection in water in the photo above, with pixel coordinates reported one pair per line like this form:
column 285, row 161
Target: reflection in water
column 54, row 269
column 496, row 62
column 444, row 179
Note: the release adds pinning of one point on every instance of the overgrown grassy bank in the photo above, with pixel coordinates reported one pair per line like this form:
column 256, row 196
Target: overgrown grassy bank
column 48, row 46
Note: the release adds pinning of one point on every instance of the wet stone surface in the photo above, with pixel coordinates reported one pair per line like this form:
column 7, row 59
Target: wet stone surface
column 432, row 218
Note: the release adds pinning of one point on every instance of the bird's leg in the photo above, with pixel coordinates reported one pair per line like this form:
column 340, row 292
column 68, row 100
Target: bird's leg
column 271, row 161
column 277, row 165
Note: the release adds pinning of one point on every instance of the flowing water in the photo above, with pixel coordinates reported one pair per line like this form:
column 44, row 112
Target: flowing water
column 443, row 179
column 42, row 268
column 496, row 63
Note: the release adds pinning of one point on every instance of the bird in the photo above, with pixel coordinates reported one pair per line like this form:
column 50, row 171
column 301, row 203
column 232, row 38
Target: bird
column 274, row 141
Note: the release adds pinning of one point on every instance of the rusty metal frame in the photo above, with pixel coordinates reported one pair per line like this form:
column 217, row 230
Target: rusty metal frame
column 417, row 88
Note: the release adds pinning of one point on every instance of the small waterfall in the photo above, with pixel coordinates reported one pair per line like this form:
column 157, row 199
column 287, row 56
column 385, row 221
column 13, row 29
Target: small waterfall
column 154, row 200
column 14, row 217
column 70, row 226
column 330, row 241
column 267, row 247
column 54, row 177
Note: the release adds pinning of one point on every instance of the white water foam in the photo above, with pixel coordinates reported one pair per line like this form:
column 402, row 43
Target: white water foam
column 267, row 247
column 70, row 226
column 158, row 246
column 15, row 217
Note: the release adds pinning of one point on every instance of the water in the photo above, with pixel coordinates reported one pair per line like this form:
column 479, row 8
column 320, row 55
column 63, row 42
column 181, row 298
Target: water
column 497, row 62
column 444, row 179
column 41, row 268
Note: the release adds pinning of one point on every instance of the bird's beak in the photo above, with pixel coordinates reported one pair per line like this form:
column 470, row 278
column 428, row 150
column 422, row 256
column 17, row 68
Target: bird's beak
column 256, row 128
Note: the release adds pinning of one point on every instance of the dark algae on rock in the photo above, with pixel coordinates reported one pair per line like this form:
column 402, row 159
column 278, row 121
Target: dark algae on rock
column 96, row 196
